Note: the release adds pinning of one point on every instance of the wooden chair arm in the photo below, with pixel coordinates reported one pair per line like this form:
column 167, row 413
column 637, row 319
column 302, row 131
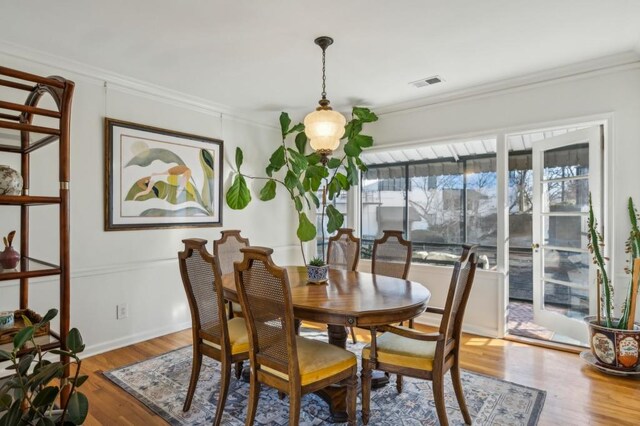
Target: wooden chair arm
column 435, row 310
column 412, row 334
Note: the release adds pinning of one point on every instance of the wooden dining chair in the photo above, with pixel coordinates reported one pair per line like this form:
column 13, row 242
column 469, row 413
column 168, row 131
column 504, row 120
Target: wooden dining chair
column 405, row 351
column 391, row 255
column 279, row 358
column 344, row 253
column 225, row 340
column 227, row 251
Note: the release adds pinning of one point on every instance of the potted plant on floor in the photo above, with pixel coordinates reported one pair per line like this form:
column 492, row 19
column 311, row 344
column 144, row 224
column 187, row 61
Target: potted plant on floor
column 30, row 394
column 615, row 341
column 302, row 174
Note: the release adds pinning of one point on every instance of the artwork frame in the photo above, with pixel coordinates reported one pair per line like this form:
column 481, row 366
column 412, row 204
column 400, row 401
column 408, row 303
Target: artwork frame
column 157, row 178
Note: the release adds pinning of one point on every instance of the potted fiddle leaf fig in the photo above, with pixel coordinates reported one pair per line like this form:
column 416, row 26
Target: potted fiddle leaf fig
column 302, row 174
column 31, row 395
column 615, row 341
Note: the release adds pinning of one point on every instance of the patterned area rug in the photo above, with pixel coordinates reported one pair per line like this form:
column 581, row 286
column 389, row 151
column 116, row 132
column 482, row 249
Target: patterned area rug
column 161, row 384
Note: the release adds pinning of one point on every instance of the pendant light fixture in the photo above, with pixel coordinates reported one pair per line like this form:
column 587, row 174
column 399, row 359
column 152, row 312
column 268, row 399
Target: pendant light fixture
column 324, row 127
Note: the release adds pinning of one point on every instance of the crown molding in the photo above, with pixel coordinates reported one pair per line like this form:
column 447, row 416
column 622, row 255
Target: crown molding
column 115, row 81
column 604, row 65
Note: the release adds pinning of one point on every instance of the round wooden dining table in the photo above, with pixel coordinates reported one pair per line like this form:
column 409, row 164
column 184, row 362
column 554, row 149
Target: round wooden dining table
column 348, row 298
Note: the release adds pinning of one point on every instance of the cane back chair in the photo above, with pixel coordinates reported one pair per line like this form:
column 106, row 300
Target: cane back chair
column 279, row 358
column 213, row 334
column 344, row 250
column 344, row 253
column 227, row 251
column 408, row 352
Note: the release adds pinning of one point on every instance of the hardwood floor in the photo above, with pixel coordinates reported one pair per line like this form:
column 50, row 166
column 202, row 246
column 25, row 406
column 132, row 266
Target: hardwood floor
column 576, row 394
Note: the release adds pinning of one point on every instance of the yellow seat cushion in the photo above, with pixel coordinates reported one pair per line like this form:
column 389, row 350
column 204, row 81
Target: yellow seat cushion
column 238, row 337
column 403, row 351
column 318, row 360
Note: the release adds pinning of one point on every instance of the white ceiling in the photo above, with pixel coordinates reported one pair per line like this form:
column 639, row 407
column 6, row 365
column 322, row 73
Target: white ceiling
column 259, row 55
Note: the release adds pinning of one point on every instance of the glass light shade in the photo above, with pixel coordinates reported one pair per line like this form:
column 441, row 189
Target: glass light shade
column 324, row 128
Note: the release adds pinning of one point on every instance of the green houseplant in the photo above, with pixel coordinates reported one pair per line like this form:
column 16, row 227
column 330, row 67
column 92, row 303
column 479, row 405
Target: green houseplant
column 317, row 270
column 615, row 340
column 302, row 174
column 28, row 397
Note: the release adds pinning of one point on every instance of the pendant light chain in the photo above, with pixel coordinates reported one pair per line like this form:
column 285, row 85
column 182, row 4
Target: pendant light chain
column 324, row 76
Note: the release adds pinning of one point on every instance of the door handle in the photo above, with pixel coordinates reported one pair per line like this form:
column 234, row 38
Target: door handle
column 535, row 246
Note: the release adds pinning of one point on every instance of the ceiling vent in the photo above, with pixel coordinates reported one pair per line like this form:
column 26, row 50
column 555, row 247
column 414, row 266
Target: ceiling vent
column 429, row 81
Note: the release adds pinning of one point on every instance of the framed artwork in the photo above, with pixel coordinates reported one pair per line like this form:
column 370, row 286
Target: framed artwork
column 157, row 178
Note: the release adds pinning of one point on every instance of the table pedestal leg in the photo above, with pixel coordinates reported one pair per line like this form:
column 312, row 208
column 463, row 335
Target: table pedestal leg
column 336, row 395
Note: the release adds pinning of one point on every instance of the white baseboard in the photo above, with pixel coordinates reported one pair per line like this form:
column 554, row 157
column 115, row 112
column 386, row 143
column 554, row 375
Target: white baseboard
column 467, row 328
column 134, row 338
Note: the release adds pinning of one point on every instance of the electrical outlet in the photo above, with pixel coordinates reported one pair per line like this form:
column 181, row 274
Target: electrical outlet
column 122, row 311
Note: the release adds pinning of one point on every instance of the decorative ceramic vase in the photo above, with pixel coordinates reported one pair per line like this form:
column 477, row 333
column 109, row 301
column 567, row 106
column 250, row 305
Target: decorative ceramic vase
column 9, row 258
column 613, row 348
column 317, row 274
column 10, row 181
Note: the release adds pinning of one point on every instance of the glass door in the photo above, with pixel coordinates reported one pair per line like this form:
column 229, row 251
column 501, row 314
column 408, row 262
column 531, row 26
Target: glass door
column 566, row 169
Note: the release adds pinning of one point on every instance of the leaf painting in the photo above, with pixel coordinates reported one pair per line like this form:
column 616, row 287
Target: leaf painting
column 148, row 156
column 159, row 178
column 186, row 212
column 175, row 185
column 206, row 162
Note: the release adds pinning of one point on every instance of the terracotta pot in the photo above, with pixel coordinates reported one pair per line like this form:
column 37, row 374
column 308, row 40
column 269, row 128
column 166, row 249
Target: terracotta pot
column 10, row 181
column 317, row 274
column 9, row 258
column 613, row 348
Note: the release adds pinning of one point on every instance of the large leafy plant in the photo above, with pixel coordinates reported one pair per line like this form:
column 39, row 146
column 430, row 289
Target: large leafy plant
column 596, row 245
column 28, row 397
column 302, row 174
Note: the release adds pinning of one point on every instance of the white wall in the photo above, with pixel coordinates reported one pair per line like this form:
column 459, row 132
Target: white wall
column 613, row 93
column 134, row 267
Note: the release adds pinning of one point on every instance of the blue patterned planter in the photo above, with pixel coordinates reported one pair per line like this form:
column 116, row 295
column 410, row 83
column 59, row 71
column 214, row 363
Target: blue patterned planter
column 317, row 274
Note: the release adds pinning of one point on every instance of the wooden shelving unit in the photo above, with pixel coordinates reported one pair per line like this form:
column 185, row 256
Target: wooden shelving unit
column 19, row 119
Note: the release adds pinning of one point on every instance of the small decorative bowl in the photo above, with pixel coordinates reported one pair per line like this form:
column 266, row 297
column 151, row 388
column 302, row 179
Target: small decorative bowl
column 6, row 320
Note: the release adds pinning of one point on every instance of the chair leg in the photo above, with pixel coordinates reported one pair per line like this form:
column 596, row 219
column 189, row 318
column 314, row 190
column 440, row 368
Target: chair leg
column 365, row 376
column 438, row 397
column 296, row 325
column 353, row 336
column 238, row 369
column 399, row 383
column 254, row 396
column 230, row 307
column 294, row 408
column 195, row 374
column 352, row 390
column 224, row 390
column 457, row 387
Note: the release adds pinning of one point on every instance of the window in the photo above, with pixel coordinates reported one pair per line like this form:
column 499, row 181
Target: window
column 439, row 204
column 383, row 203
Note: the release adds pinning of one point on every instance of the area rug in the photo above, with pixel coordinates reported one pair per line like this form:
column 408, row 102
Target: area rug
column 161, row 384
